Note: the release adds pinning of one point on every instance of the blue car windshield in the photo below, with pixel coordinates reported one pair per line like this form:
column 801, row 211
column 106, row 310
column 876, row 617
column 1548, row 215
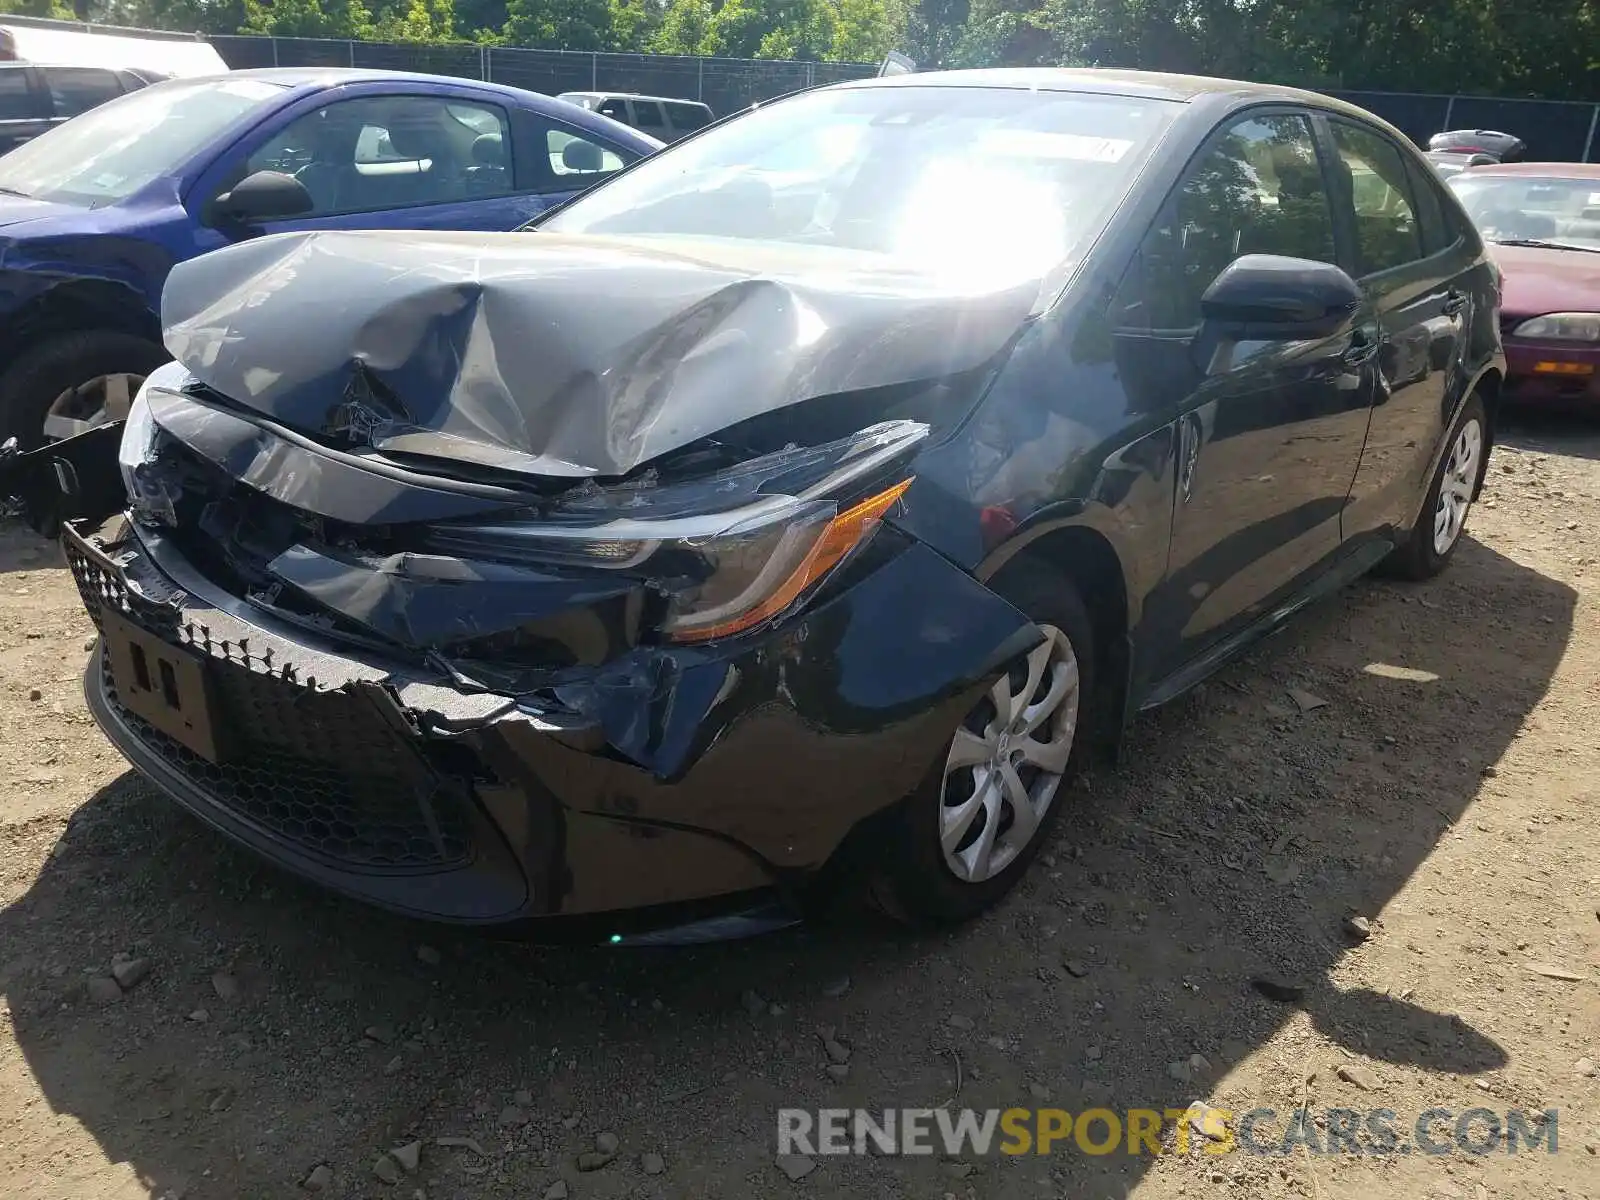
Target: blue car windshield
column 1001, row 181
column 110, row 152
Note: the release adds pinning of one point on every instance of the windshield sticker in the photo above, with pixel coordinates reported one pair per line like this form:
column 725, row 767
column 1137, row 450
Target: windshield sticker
column 1035, row 143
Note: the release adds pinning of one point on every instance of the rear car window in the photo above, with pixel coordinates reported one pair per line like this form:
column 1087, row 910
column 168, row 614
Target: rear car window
column 78, row 89
column 573, row 155
column 16, row 100
column 688, row 116
column 1386, row 220
column 647, row 114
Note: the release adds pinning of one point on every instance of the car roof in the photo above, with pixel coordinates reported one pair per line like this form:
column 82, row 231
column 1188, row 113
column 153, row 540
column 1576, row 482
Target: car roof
column 291, row 77
column 1155, row 85
column 1568, row 170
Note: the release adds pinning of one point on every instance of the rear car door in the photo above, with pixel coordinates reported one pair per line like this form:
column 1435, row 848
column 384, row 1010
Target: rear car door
column 1269, row 432
column 1413, row 265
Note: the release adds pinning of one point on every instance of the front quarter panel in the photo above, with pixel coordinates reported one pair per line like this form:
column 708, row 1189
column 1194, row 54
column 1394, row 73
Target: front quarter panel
column 1056, row 443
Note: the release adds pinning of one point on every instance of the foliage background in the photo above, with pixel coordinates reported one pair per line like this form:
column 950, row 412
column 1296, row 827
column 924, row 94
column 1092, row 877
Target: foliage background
column 1535, row 48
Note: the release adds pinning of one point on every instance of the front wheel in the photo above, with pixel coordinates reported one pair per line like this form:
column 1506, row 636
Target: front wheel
column 1438, row 530
column 965, row 838
column 73, row 382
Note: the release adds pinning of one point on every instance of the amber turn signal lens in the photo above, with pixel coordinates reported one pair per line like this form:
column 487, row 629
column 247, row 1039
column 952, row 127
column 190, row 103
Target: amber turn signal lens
column 840, row 536
column 1563, row 368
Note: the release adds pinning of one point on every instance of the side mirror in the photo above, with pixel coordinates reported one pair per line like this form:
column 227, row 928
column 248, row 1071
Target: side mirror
column 264, row 196
column 1267, row 297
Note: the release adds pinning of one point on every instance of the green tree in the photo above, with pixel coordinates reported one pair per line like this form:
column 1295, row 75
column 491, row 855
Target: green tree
column 481, row 20
column 426, row 21
column 59, row 9
column 801, row 29
column 307, row 18
column 634, row 23
column 685, row 28
column 559, row 24
column 863, row 31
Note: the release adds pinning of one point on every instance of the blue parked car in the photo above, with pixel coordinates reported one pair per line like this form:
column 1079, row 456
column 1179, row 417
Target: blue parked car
column 94, row 213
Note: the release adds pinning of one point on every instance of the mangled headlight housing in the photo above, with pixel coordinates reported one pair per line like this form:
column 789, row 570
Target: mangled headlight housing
column 138, row 439
column 148, row 496
column 730, row 551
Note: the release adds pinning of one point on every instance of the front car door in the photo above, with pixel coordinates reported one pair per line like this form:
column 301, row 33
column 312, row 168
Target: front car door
column 1269, row 432
column 1414, row 266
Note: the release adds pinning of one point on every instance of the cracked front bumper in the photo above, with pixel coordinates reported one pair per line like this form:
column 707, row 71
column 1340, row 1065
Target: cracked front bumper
column 666, row 790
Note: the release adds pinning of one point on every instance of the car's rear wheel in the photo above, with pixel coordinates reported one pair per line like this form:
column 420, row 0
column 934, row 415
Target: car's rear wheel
column 1433, row 541
column 967, row 836
column 73, row 382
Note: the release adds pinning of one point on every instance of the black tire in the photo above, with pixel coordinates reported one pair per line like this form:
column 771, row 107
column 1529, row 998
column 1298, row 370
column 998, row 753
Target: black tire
column 68, row 360
column 1417, row 558
column 913, row 884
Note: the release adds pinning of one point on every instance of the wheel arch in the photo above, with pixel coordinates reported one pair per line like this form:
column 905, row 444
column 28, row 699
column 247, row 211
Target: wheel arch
column 77, row 306
column 1087, row 559
column 1489, row 387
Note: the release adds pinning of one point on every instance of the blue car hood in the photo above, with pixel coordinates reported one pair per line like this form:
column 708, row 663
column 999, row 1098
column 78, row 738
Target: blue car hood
column 17, row 211
column 558, row 355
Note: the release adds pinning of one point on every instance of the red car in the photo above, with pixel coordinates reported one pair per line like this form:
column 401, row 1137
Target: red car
column 1544, row 222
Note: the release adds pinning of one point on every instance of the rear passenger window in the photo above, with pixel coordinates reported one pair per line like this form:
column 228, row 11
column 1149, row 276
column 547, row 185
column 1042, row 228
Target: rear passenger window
column 688, row 116
column 647, row 114
column 1387, row 235
column 571, row 155
column 1437, row 234
column 78, row 89
column 16, row 100
column 1258, row 190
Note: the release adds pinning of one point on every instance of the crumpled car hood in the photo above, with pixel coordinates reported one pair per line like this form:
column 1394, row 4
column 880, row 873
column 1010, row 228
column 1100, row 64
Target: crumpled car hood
column 559, row 355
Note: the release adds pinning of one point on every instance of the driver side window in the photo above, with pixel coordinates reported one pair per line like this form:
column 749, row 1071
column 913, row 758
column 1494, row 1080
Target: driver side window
column 1258, row 189
column 382, row 152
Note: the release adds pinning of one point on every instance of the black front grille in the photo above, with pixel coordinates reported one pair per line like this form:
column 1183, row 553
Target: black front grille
column 321, row 769
column 102, row 586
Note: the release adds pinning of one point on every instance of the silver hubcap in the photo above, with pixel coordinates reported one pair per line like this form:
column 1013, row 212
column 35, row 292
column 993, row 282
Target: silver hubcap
column 1007, row 760
column 78, row 410
column 1455, row 490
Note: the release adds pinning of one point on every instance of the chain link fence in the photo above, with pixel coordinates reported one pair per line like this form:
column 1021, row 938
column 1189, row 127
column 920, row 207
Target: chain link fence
column 726, row 84
column 1555, row 130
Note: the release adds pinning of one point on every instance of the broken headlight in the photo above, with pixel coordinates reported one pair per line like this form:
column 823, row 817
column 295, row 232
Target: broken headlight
column 150, row 495
column 729, row 551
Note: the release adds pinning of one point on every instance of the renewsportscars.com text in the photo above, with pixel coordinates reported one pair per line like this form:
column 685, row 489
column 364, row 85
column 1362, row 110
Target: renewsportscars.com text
column 1099, row 1131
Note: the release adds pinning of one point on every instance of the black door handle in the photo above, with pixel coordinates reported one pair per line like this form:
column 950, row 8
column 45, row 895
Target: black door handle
column 1455, row 303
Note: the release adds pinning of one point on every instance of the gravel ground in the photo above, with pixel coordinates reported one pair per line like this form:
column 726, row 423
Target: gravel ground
column 265, row 1038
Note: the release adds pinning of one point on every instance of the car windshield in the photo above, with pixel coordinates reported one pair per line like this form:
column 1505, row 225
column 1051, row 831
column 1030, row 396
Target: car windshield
column 1532, row 208
column 997, row 180
column 108, row 153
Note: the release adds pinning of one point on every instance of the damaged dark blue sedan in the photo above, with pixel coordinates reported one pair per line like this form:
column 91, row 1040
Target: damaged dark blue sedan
column 817, row 493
